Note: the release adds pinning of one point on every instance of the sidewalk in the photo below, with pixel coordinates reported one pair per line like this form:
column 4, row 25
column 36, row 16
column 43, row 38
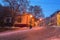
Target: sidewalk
column 12, row 28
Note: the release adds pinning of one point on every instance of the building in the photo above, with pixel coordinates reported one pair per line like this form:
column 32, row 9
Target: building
column 58, row 19
column 55, row 19
column 9, row 18
column 25, row 18
column 47, row 21
column 5, row 16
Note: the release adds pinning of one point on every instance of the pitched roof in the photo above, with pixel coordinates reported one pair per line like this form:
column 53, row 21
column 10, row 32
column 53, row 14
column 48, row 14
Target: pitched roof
column 55, row 13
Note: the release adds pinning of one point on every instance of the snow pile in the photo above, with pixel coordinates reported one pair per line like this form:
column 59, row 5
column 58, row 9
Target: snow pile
column 41, row 33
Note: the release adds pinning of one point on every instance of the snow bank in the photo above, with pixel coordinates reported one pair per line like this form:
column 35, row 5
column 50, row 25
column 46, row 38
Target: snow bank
column 41, row 33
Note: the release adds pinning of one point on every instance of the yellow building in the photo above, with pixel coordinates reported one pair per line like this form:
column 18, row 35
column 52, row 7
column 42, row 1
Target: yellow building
column 58, row 19
column 55, row 19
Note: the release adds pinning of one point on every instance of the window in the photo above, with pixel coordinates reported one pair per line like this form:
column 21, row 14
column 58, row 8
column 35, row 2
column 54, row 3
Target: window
column 8, row 20
column 19, row 19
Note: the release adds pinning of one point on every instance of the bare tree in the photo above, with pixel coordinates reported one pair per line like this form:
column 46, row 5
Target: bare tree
column 31, row 9
column 36, row 11
column 18, row 5
column 24, row 5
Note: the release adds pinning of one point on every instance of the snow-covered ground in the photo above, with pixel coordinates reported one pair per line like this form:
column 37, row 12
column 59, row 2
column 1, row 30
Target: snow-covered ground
column 37, row 33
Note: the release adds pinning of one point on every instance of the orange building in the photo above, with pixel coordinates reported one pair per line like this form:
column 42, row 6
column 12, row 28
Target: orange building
column 25, row 18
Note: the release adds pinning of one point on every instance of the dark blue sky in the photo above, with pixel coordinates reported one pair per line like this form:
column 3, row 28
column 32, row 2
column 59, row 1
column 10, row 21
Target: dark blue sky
column 48, row 6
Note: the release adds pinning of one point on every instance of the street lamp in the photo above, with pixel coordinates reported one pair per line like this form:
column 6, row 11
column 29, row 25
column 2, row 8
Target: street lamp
column 41, row 21
column 30, row 21
column 31, row 16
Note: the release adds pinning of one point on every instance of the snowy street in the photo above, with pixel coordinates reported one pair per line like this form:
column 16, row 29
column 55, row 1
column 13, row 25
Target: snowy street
column 42, row 33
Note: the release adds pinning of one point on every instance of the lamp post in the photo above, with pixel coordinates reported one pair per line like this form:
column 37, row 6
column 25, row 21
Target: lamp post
column 30, row 21
column 41, row 23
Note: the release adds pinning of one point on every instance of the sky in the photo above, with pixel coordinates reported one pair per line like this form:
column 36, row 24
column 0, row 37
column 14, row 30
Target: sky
column 48, row 6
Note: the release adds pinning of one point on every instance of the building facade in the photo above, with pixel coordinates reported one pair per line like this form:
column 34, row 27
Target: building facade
column 54, row 19
column 5, row 16
column 25, row 18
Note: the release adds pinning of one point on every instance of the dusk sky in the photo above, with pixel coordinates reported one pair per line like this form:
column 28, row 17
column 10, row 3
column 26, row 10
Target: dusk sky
column 48, row 6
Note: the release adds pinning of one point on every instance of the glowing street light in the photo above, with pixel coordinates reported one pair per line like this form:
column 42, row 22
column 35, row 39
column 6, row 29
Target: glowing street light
column 40, row 19
column 31, row 21
column 31, row 16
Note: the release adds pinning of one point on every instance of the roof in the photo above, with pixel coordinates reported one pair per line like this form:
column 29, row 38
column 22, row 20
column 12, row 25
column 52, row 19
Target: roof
column 55, row 13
